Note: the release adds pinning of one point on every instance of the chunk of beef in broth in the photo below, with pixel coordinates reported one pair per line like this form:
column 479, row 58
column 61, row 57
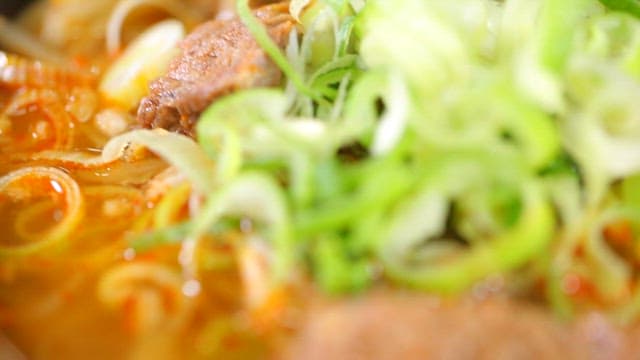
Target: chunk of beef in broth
column 217, row 58
column 391, row 325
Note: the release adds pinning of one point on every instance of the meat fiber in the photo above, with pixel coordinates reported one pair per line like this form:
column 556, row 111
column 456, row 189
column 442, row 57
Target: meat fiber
column 217, row 58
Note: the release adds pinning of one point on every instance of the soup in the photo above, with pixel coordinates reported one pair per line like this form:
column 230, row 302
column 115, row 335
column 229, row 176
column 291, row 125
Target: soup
column 213, row 179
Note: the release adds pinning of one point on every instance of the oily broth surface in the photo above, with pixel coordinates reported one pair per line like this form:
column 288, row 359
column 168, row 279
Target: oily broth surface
column 54, row 303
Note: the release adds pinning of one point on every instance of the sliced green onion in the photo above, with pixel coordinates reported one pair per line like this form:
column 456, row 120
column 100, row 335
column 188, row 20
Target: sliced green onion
column 178, row 150
column 256, row 197
column 271, row 48
column 628, row 6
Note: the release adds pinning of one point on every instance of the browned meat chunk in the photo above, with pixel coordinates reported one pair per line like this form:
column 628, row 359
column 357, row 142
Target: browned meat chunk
column 391, row 325
column 217, row 58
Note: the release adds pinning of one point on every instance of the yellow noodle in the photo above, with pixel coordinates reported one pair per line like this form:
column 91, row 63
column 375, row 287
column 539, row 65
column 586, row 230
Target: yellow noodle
column 168, row 209
column 156, row 288
column 122, row 172
column 178, row 150
column 49, row 102
column 142, row 222
column 113, row 191
column 17, row 71
column 11, row 186
column 25, row 219
column 119, row 204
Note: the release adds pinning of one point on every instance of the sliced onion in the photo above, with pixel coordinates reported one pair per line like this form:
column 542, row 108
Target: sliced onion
column 146, row 58
column 252, row 196
column 178, row 150
column 121, row 172
column 125, row 7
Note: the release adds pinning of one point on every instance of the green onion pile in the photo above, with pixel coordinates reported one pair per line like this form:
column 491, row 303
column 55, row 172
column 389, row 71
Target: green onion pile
column 435, row 144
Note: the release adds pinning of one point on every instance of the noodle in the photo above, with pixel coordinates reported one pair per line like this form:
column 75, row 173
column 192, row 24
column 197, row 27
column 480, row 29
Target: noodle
column 167, row 210
column 48, row 102
column 118, row 204
column 17, row 71
column 26, row 219
column 121, row 159
column 429, row 145
column 15, row 186
column 155, row 291
column 82, row 104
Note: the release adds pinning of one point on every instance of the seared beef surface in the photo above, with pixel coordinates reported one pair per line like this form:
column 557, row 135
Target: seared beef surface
column 395, row 325
column 218, row 57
